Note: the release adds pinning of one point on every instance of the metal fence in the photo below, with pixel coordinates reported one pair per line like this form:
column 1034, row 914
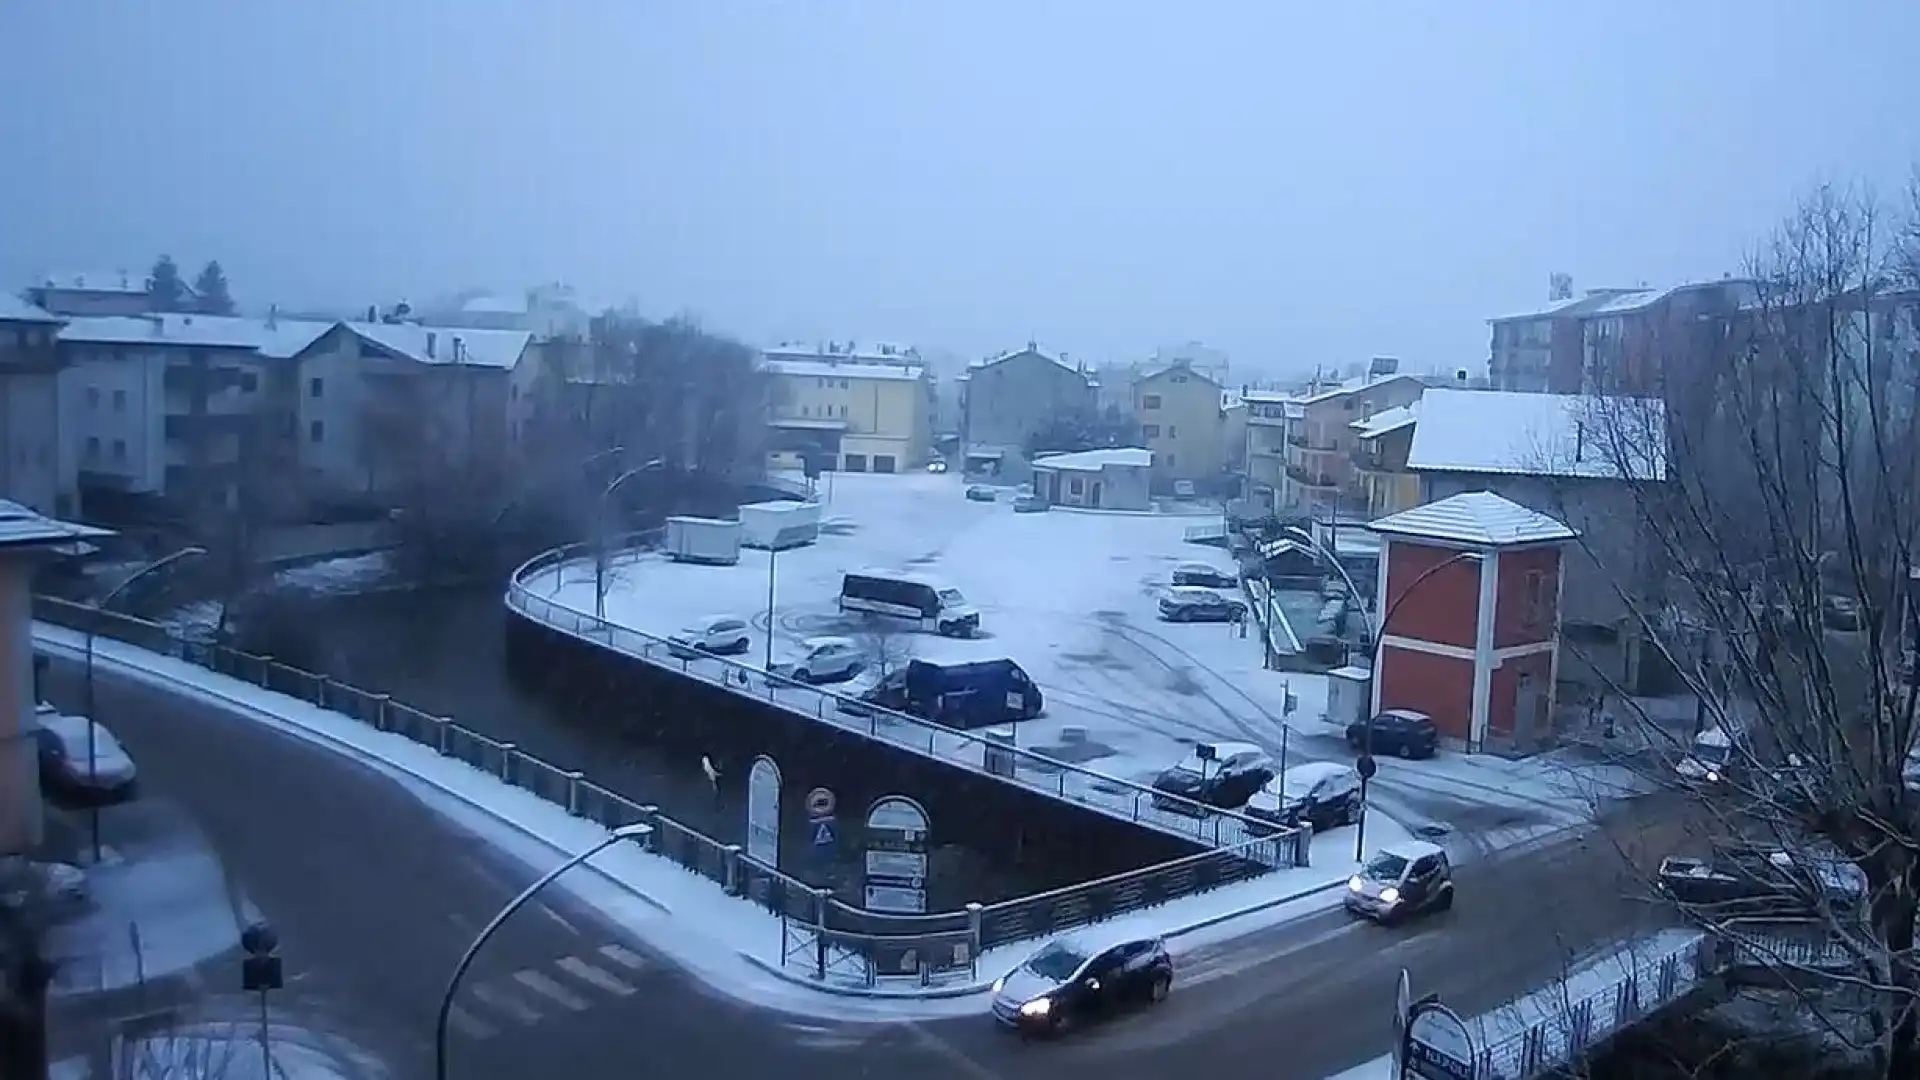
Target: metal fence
column 822, row 936
column 975, row 751
column 1579, row 1024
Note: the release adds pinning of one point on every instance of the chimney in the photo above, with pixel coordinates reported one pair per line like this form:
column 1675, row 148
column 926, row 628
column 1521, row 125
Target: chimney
column 1460, row 377
column 459, row 350
column 431, row 338
column 373, row 313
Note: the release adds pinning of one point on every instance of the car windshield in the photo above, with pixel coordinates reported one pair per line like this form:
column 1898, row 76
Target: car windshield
column 1057, row 962
column 1386, row 866
column 1709, row 753
column 1295, row 786
column 1191, row 766
column 951, row 596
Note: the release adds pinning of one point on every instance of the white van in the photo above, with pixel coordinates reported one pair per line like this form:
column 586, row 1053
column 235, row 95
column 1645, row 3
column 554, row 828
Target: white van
column 931, row 604
column 1708, row 758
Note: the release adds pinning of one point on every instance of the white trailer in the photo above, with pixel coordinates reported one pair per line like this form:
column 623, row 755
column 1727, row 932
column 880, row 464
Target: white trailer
column 778, row 525
column 712, row 541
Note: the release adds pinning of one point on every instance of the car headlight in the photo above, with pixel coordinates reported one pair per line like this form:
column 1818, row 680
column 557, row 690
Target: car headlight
column 1036, row 1007
column 999, row 984
column 1713, row 776
column 1354, row 883
column 1389, row 895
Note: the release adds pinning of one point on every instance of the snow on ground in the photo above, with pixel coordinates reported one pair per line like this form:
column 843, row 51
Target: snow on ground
column 729, row 943
column 1072, row 597
column 348, row 573
column 1552, row 1006
column 231, row 1050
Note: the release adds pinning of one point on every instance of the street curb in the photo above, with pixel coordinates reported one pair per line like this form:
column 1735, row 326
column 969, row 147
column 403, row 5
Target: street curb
column 298, row 730
column 1216, row 920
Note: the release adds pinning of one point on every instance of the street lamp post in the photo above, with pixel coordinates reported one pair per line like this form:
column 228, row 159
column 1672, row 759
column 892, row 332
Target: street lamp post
column 600, row 534
column 773, row 560
column 624, row 832
column 1377, row 632
column 93, row 625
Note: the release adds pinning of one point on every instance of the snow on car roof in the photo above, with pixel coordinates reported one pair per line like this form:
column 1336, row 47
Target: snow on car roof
column 1208, row 567
column 1312, row 772
column 1405, row 714
column 1090, row 941
column 1229, row 749
column 1192, row 592
column 822, row 642
column 1412, row 849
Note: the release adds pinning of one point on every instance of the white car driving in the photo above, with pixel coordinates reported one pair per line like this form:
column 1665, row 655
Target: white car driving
column 721, row 635
column 824, row 660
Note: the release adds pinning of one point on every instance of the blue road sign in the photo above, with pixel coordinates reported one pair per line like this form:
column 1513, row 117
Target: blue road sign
column 824, row 832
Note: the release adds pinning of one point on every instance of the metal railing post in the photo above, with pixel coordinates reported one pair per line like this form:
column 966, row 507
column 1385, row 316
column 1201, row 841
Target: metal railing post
column 445, row 738
column 975, row 913
column 650, row 813
column 381, row 702
column 322, row 685
column 730, row 869
column 507, row 750
column 820, row 897
column 573, row 792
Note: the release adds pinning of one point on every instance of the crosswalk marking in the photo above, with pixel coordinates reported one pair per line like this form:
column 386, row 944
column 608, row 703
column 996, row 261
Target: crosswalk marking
column 551, row 990
column 587, row 973
column 470, row 1025
column 506, row 1003
column 625, row 957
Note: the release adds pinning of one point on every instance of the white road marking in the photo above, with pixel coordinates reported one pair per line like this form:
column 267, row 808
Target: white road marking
column 587, row 973
column 507, row 1003
column 952, row 1053
column 558, row 918
column 624, row 956
column 469, row 1025
column 551, row 990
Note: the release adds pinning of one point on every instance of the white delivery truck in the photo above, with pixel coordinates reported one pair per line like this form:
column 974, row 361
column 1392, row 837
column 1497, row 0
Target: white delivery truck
column 780, row 524
column 712, row 541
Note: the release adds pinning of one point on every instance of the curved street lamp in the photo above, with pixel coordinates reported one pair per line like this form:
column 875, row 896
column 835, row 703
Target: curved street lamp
column 529, row 487
column 93, row 624
column 600, row 530
column 624, row 832
column 1377, row 632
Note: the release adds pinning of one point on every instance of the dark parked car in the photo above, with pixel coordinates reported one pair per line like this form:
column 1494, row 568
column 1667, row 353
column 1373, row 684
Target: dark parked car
column 982, row 493
column 69, row 777
column 1403, row 880
column 1323, row 794
column 1184, row 603
column 1081, row 977
column 1204, row 575
column 1216, row 774
column 980, row 693
column 1761, row 881
column 1399, row 732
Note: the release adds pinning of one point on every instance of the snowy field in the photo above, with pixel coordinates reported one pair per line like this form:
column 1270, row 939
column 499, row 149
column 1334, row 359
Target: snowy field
column 1072, row 597
column 729, row 943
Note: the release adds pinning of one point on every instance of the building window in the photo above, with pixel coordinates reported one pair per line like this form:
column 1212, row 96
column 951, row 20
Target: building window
column 120, row 401
column 1172, row 432
column 883, row 463
column 823, row 382
column 120, row 450
column 1170, row 461
column 843, row 412
column 843, row 384
column 1536, row 594
column 93, row 397
column 1150, row 431
column 855, row 463
column 316, row 431
column 1150, row 401
column 249, row 382
column 93, row 448
column 1074, row 486
column 316, row 387
column 1179, row 378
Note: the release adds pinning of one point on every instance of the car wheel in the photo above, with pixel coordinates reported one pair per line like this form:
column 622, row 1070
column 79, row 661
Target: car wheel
column 1406, row 751
column 1352, row 816
column 1158, row 990
column 802, row 675
column 1445, row 903
column 1061, row 1022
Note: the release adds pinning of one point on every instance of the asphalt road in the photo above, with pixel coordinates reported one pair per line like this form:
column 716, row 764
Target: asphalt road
column 375, row 898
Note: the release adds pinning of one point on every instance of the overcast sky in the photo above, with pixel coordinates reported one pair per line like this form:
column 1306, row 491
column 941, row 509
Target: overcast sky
column 1296, row 183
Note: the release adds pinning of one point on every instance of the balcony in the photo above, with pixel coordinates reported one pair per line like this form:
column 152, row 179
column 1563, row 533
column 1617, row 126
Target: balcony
column 1311, row 479
column 1368, row 459
column 1297, row 439
column 208, row 425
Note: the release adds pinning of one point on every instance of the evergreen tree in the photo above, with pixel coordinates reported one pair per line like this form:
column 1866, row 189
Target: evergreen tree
column 212, row 287
column 164, row 288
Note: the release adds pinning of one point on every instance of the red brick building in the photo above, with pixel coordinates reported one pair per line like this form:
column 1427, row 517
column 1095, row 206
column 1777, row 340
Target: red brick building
column 1469, row 590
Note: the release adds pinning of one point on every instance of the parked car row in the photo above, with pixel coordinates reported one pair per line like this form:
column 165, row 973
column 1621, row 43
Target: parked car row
column 1192, row 598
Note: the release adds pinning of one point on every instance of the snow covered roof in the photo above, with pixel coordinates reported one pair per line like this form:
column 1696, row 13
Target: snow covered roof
column 1095, row 460
column 1386, row 420
column 119, row 281
column 14, row 309
column 21, row 527
column 277, row 338
column 1029, row 348
column 436, row 344
column 1570, row 436
column 845, row 369
column 1352, row 386
column 1476, row 518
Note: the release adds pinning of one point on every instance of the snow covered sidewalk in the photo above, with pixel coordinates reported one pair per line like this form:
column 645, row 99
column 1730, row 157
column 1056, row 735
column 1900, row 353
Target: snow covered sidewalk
column 730, row 943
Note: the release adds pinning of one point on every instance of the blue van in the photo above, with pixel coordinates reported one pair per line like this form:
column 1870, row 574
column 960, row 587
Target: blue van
column 976, row 694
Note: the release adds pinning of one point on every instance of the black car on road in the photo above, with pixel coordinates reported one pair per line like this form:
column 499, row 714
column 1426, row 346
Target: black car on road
column 1205, row 576
column 1082, row 977
column 1322, row 794
column 1405, row 879
column 1756, row 881
column 1399, row 732
column 1222, row 774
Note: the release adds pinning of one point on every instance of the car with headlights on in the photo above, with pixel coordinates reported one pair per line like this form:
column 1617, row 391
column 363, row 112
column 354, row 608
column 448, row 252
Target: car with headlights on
column 1403, row 880
column 1080, row 977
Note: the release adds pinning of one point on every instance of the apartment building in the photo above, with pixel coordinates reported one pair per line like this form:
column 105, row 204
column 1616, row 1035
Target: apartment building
column 91, row 295
column 1269, row 414
column 850, row 410
column 1320, row 474
column 1381, row 443
column 1010, row 398
column 1183, row 420
column 1614, row 340
column 36, row 470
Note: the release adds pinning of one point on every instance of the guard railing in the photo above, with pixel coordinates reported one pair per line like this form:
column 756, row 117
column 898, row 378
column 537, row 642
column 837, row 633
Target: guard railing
column 825, row 938
column 976, row 752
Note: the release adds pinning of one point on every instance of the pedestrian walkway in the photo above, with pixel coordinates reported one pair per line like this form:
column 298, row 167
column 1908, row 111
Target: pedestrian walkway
column 530, row 996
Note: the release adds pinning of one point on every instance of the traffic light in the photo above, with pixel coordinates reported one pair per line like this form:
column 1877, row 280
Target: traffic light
column 260, row 971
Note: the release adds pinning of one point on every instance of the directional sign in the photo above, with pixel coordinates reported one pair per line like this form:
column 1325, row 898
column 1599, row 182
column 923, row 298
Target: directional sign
column 826, row 832
column 896, row 856
column 821, row 803
column 1438, row 1045
column 896, row 899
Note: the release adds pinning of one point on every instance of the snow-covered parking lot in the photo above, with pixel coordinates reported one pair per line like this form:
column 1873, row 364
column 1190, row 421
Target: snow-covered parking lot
column 1072, row 597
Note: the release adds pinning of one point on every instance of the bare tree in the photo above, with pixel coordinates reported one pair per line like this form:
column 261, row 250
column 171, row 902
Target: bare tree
column 1782, row 543
column 887, row 645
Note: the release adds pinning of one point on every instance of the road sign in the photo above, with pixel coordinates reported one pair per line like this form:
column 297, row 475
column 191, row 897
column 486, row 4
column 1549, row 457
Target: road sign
column 1438, row 1045
column 896, row 899
column 821, row 803
column 907, row 865
column 826, row 832
column 896, row 856
column 763, row 812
